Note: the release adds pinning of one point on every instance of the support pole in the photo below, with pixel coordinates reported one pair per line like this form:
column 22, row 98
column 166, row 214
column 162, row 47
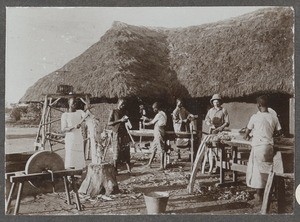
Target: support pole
column 67, row 190
column 7, row 205
column 18, row 201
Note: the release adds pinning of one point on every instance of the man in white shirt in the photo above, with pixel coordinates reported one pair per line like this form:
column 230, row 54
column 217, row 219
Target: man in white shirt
column 159, row 122
column 263, row 124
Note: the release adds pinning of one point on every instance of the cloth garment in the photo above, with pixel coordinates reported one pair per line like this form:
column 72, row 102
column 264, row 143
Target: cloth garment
column 260, row 156
column 217, row 117
column 178, row 115
column 159, row 121
column 263, row 125
column 74, row 150
column 120, row 138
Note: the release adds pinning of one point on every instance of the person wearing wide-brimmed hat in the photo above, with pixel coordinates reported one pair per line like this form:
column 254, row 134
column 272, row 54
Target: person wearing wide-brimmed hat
column 217, row 119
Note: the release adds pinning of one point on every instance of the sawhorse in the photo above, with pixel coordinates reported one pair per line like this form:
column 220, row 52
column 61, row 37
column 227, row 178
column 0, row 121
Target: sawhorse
column 275, row 180
column 19, row 178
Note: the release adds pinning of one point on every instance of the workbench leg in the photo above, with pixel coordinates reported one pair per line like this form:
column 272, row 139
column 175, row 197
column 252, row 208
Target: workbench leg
column 267, row 194
column 280, row 185
column 18, row 201
column 221, row 166
column 234, row 160
column 76, row 193
column 192, row 154
column 8, row 202
column 67, row 190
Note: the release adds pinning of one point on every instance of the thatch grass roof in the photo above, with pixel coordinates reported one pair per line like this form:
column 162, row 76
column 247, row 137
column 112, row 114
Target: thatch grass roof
column 235, row 57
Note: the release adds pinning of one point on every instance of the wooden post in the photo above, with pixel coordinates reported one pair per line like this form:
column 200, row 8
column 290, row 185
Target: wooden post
column 7, row 205
column 292, row 116
column 67, row 190
column 18, row 201
column 43, row 128
column 192, row 147
column 234, row 160
column 280, row 187
column 221, row 165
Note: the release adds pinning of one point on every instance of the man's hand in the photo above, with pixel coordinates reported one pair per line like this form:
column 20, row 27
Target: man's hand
column 246, row 137
column 215, row 131
column 124, row 119
column 220, row 129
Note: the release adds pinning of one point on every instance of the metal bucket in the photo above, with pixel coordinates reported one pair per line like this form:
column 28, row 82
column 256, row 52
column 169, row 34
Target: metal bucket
column 156, row 202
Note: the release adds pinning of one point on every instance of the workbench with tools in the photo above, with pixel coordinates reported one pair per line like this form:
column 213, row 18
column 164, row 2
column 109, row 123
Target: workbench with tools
column 230, row 158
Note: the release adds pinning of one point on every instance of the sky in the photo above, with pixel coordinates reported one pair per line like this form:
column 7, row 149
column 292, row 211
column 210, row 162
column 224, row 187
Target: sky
column 42, row 40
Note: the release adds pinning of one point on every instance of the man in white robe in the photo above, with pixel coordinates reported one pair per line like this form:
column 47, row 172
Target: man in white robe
column 263, row 124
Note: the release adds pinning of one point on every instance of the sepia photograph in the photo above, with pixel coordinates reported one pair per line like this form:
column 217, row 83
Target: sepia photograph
column 150, row 110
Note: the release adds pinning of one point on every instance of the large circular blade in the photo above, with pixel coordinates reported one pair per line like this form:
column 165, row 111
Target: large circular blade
column 41, row 162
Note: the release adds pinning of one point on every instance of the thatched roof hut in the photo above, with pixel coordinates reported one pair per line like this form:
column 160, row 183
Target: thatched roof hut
column 236, row 57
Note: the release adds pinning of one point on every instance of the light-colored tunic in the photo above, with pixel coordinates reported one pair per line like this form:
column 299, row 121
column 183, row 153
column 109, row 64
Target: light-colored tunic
column 216, row 117
column 159, row 121
column 263, row 125
column 178, row 115
column 74, row 149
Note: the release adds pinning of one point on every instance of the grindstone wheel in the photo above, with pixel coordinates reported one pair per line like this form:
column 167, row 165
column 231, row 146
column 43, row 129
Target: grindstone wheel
column 41, row 162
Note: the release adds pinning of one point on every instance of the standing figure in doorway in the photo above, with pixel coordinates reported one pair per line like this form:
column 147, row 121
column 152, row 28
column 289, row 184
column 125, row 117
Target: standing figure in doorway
column 71, row 126
column 120, row 139
column 180, row 117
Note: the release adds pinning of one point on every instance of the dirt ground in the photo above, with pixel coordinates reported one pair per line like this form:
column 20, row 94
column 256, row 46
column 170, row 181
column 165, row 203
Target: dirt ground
column 206, row 199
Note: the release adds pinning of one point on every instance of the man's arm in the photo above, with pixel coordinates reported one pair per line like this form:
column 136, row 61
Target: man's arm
column 151, row 122
column 207, row 119
column 249, row 128
column 112, row 121
column 175, row 115
column 247, row 134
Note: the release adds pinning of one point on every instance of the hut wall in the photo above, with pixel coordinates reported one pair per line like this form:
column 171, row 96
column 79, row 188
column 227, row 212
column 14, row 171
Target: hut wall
column 240, row 113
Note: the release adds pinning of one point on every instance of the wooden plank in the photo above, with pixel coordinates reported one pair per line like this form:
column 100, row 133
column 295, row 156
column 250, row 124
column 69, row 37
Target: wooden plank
column 197, row 163
column 45, row 176
column 239, row 167
column 267, row 193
